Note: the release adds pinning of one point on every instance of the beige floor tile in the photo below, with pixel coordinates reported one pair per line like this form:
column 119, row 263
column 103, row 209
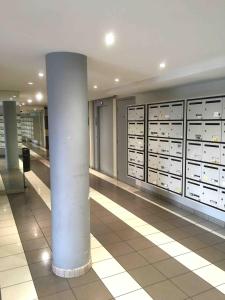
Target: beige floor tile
column 132, row 260
column 14, row 276
column 192, row 261
column 107, row 268
column 23, row 291
column 159, row 238
column 99, row 254
column 13, row 261
column 92, row 291
column 211, row 274
column 147, row 275
column 8, row 230
column 121, row 284
column 174, row 249
column 11, row 249
column 170, row 267
column 212, row 294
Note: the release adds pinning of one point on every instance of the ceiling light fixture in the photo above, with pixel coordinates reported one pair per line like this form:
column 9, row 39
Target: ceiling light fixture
column 95, row 86
column 30, row 83
column 116, row 80
column 39, row 96
column 14, row 96
column 23, row 103
column 41, row 74
column 162, row 65
column 109, row 39
column 29, row 100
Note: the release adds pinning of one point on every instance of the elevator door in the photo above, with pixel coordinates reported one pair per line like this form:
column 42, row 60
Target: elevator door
column 106, row 137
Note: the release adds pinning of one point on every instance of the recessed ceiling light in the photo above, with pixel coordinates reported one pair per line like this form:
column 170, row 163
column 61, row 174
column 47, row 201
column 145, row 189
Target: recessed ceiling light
column 162, row 65
column 30, row 83
column 10, row 98
column 95, row 86
column 116, row 80
column 109, row 39
column 39, row 96
column 29, row 100
column 41, row 74
column 23, row 103
column 14, row 96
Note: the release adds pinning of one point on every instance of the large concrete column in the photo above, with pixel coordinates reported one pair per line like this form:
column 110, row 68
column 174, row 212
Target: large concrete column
column 69, row 160
column 11, row 140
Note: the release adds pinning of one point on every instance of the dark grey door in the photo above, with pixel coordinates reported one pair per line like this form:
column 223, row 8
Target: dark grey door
column 105, row 115
column 122, row 139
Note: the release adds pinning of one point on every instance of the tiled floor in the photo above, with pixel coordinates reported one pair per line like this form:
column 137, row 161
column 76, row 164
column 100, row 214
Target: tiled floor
column 140, row 251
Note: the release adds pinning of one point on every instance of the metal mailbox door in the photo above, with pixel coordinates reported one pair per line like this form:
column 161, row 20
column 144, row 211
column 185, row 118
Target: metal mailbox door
column 176, row 131
column 153, row 112
column 222, row 200
column 176, row 166
column 222, row 156
column 131, row 170
column 163, row 180
column 140, row 128
column 223, row 132
column 131, row 142
column 139, row 158
column 176, row 111
column 131, row 113
column 211, row 153
column 222, row 177
column 153, row 145
column 152, row 176
column 175, row 184
column 212, row 131
column 164, row 112
column 131, row 128
column 140, row 113
column 176, row 148
column 195, row 130
column 153, row 161
column 164, row 163
column 140, row 172
column 195, row 109
column 140, row 143
column 193, row 190
column 213, row 109
column 131, row 156
column 210, row 195
column 193, row 170
column 164, row 129
column 153, row 129
column 210, row 174
column 223, row 108
column 194, row 150
column 164, row 146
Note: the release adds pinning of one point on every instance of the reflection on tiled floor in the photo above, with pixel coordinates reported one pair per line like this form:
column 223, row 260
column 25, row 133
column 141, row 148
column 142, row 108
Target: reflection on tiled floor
column 15, row 277
column 150, row 264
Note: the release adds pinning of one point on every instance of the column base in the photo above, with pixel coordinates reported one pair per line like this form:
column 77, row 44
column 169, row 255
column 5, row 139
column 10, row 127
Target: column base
column 70, row 273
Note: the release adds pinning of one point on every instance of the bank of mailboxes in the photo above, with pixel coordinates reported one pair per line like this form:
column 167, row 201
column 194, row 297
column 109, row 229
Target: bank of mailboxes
column 136, row 157
column 166, row 111
column 136, row 113
column 166, row 129
column 207, row 131
column 136, row 171
column 207, row 194
column 166, row 146
column 205, row 109
column 164, row 180
column 136, row 142
column 222, row 154
column 208, row 152
column 136, row 128
column 165, row 163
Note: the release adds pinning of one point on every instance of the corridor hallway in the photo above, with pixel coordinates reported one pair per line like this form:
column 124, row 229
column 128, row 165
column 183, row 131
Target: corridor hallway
column 139, row 250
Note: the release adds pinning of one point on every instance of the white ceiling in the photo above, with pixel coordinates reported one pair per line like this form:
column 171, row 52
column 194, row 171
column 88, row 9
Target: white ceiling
column 188, row 35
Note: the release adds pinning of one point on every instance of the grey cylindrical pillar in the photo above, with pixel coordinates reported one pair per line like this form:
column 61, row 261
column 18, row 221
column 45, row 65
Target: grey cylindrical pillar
column 11, row 140
column 69, row 160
